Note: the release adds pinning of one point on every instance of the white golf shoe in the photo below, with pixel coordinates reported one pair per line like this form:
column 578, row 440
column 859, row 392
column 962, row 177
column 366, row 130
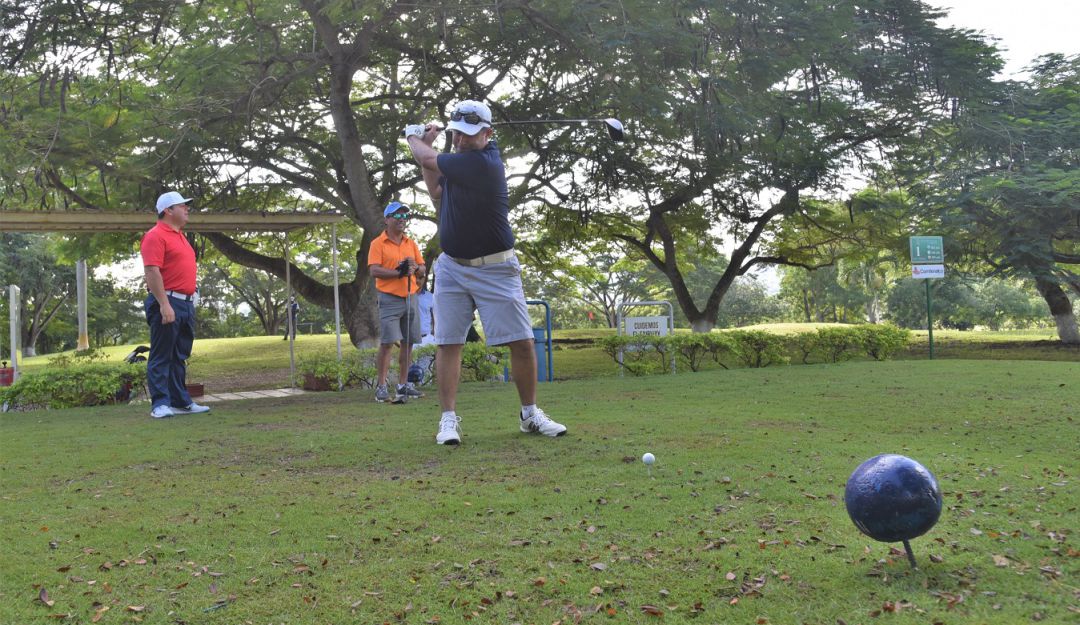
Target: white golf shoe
column 192, row 408
column 539, row 422
column 163, row 412
column 449, row 434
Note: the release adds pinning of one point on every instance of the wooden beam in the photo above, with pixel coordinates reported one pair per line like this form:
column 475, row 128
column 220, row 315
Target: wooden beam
column 92, row 221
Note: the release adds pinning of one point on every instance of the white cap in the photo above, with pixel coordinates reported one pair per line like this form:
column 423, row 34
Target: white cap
column 172, row 198
column 470, row 106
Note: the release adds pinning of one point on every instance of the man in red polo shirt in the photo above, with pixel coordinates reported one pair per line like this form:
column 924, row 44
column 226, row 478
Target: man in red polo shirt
column 395, row 262
column 169, row 265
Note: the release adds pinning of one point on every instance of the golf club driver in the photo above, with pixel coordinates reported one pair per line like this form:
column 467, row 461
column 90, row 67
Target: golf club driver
column 614, row 127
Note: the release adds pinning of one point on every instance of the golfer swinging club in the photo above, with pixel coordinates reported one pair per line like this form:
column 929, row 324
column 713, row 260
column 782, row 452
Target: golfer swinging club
column 478, row 269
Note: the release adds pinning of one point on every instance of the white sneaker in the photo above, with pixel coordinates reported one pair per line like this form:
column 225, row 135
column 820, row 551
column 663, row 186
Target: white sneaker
column 449, row 434
column 162, row 412
column 539, row 422
column 192, row 408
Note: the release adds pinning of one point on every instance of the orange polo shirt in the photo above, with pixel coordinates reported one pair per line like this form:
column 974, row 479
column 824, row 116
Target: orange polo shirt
column 388, row 254
column 169, row 250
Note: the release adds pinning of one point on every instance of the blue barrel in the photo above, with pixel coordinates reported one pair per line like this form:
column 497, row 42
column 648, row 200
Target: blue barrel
column 541, row 346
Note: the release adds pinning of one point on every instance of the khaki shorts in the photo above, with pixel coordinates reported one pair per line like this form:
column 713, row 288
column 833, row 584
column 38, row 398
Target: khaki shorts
column 392, row 319
column 494, row 291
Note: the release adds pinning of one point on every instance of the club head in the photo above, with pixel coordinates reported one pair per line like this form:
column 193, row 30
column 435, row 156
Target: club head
column 614, row 129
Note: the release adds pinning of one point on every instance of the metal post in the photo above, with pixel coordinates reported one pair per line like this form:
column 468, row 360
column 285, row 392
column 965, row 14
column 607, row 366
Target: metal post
column 337, row 303
column 929, row 319
column 83, row 342
column 14, row 311
column 290, row 323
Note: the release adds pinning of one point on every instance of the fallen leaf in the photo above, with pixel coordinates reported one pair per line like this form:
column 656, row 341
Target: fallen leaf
column 596, row 591
column 43, row 596
column 598, row 566
column 539, row 581
column 730, row 576
column 64, row 569
column 136, row 608
column 652, row 610
column 1001, row 561
column 100, row 613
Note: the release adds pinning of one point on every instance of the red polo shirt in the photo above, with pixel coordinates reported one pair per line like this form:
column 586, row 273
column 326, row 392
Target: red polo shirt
column 169, row 251
column 385, row 252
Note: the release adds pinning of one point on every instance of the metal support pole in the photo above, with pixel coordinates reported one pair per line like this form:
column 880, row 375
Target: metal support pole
column 83, row 343
column 929, row 319
column 14, row 304
column 290, row 323
column 337, row 302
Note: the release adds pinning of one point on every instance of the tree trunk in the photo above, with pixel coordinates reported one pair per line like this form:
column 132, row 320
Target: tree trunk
column 806, row 304
column 1061, row 308
column 702, row 325
column 872, row 310
column 359, row 307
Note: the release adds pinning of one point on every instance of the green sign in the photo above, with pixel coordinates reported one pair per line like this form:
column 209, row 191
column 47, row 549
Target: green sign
column 927, row 250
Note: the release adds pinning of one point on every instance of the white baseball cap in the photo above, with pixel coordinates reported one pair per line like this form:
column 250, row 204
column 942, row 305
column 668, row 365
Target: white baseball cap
column 470, row 117
column 172, row 198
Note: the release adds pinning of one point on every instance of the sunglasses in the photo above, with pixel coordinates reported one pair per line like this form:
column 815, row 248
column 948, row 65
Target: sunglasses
column 400, row 215
column 468, row 118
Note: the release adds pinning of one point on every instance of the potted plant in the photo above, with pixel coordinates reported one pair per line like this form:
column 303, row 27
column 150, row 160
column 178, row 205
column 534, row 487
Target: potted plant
column 322, row 371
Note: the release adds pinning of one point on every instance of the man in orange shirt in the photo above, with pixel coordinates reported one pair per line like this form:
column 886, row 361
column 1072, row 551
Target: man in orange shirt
column 395, row 262
column 169, row 265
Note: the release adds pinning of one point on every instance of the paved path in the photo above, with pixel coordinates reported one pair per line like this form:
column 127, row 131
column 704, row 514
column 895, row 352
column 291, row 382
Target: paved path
column 279, row 392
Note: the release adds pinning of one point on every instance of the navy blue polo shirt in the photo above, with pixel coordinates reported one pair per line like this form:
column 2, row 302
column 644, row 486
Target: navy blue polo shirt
column 474, row 212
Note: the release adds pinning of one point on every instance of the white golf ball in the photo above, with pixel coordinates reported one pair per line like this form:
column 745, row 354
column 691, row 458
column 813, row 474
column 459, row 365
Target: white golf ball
column 648, row 458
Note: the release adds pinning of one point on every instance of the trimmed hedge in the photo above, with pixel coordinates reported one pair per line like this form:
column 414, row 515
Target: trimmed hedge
column 644, row 355
column 71, row 385
column 358, row 368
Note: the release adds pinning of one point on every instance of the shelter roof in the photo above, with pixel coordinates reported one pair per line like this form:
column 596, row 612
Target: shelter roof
column 85, row 222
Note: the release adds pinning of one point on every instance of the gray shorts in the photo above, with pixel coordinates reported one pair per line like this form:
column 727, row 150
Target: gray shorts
column 493, row 290
column 392, row 319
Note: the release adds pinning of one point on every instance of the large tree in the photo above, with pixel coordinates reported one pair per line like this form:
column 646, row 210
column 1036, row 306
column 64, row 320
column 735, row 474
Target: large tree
column 45, row 284
column 743, row 110
column 1004, row 180
column 266, row 105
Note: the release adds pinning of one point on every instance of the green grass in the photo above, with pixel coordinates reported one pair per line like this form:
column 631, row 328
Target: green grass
column 329, row 508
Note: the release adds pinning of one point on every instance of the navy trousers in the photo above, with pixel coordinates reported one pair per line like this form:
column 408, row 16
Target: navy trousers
column 170, row 347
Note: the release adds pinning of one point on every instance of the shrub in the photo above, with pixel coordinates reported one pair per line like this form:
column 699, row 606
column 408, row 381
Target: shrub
column 691, row 349
column 804, row 343
column 482, row 361
column 757, row 348
column 356, row 368
column 838, row 344
column 882, row 341
column 641, row 355
column 74, row 384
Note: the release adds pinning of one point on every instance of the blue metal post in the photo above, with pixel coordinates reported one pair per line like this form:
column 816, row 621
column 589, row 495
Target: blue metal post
column 543, row 344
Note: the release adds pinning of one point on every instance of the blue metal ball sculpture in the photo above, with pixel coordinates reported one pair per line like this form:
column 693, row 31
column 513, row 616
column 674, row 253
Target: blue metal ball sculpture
column 893, row 498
